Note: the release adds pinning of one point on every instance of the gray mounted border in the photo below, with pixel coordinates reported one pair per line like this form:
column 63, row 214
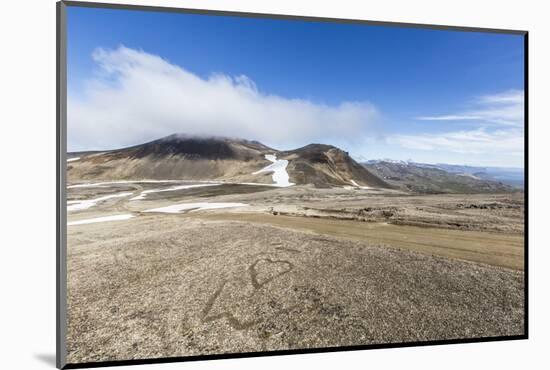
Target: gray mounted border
column 61, row 169
column 61, row 196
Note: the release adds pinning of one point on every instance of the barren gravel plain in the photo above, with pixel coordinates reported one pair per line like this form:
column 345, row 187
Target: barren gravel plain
column 243, row 268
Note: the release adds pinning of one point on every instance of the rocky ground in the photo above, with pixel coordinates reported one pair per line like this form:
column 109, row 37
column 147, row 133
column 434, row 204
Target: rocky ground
column 251, row 279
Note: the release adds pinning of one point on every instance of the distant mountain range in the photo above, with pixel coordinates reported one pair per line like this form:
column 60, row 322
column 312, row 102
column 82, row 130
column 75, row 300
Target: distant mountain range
column 507, row 175
column 447, row 178
column 182, row 157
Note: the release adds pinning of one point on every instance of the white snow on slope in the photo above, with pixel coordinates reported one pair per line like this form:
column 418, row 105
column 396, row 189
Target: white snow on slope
column 122, row 182
column 469, row 175
column 101, row 219
column 144, row 193
column 107, row 183
column 253, row 184
column 355, row 186
column 359, row 186
column 177, row 208
column 78, row 205
column 73, row 159
column 278, row 167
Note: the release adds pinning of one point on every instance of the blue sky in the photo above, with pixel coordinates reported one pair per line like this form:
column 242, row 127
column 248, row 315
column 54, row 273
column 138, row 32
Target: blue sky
column 376, row 91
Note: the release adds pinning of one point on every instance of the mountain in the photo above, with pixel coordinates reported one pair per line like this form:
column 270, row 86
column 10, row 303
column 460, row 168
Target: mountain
column 196, row 148
column 510, row 176
column 219, row 158
column 326, row 165
column 507, row 175
column 427, row 178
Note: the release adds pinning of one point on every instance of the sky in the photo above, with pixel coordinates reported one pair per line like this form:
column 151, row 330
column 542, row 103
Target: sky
column 433, row 96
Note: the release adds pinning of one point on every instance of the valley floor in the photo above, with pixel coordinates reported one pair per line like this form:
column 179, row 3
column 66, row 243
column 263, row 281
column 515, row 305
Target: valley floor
column 288, row 268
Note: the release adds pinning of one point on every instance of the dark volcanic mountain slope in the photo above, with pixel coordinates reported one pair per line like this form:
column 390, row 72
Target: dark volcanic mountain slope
column 176, row 157
column 423, row 179
column 326, row 165
column 196, row 158
column 196, row 148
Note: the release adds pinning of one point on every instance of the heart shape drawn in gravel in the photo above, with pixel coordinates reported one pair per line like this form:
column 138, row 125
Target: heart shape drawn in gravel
column 266, row 270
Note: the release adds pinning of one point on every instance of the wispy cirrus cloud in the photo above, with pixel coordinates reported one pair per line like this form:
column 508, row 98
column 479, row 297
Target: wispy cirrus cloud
column 448, row 118
column 496, row 134
column 505, row 108
column 479, row 141
column 136, row 96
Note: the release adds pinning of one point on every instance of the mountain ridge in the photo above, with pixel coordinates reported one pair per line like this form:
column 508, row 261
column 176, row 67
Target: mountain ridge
column 432, row 179
column 512, row 176
column 180, row 156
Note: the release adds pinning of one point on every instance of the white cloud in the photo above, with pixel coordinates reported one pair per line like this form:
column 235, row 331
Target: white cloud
column 498, row 136
column 505, row 109
column 514, row 97
column 480, row 141
column 449, row 118
column 135, row 97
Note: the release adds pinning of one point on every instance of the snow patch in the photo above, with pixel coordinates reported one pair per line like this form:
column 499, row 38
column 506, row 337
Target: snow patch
column 78, row 205
column 253, row 184
column 107, row 183
column 101, row 219
column 73, row 159
column 177, row 208
column 278, row 167
column 355, row 186
column 468, row 175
